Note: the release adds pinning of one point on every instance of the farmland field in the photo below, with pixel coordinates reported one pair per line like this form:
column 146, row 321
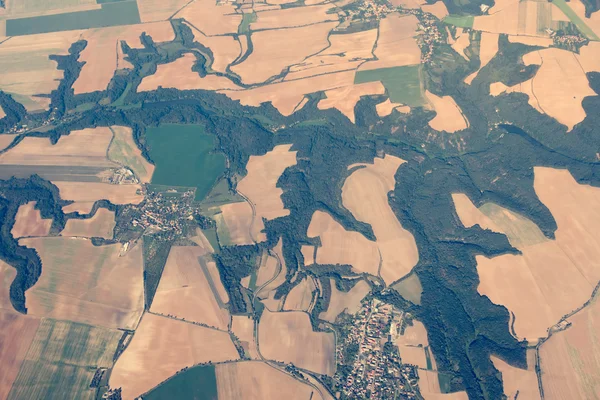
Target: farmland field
column 124, row 151
column 404, row 84
column 62, row 360
column 198, row 383
column 463, row 21
column 101, row 225
column 184, row 156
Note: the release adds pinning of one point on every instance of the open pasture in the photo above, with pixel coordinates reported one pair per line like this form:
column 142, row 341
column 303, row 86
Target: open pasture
column 365, row 195
column 124, row 151
column 260, row 183
column 84, row 194
column 396, row 43
column 85, row 283
column 210, row 17
column 348, row 302
column 449, row 117
column 187, row 292
column 101, row 225
column 300, row 298
column 345, row 98
column 519, row 382
column 16, row 334
column 62, row 360
column 253, row 380
column 410, row 288
column 551, row 277
column 339, row 246
column 162, row 346
column 29, row 222
column 185, row 155
column 178, row 74
column 283, row 336
column 403, row 84
column 275, row 50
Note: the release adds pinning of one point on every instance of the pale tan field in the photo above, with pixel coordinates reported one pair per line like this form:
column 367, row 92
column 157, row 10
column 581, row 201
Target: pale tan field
column 519, row 382
column 593, row 22
column 159, row 10
column 242, row 226
column 488, row 47
column 462, row 42
column 267, row 293
column 100, row 55
column 253, row 380
column 185, row 291
column 225, row 50
column 345, row 98
column 449, row 116
column 510, row 16
column 16, row 334
column 287, row 95
column 413, row 355
column 84, row 194
column 300, row 298
column 213, row 271
column 588, row 57
column 412, row 344
column 211, row 18
column 526, row 87
column 274, row 50
column 259, row 184
column 242, row 326
column 348, row 302
column 124, row 151
column 384, row 109
column 430, row 387
column 396, row 44
column 84, row 283
column 570, row 360
column 27, row 70
column 5, row 140
column 339, row 246
column 346, row 52
column 29, row 222
column 551, row 277
column 531, row 40
column 80, row 148
column 101, row 225
column 438, row 9
column 365, row 194
column 267, row 270
column 284, row 336
column 410, row 288
column 293, row 17
column 308, row 253
column 178, row 74
column 162, row 346
column 7, row 275
column 4, row 137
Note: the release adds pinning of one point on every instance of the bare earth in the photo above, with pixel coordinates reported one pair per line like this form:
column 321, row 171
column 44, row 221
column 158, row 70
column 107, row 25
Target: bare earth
column 301, row 296
column 430, row 388
column 488, row 47
column 242, row 326
column 348, row 302
column 241, row 225
column 293, row 17
column 184, row 290
column 519, row 381
column 86, row 193
column 283, row 336
column 159, row 10
column 267, row 294
column 384, row 109
column 344, row 99
column 29, row 222
column 449, row 116
column 162, row 346
column 84, row 283
column 5, row 140
column 101, row 225
column 211, row 18
column 123, row 150
column 365, row 194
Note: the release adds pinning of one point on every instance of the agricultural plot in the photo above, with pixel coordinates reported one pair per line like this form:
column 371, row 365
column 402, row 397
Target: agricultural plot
column 211, row 18
column 187, row 291
column 29, row 222
column 449, row 116
column 365, row 194
column 180, row 153
column 385, row 108
column 463, row 40
column 242, row 327
column 109, row 14
column 124, row 151
column 159, row 10
column 308, row 254
column 403, row 84
column 410, row 288
column 300, row 298
column 339, row 246
column 348, row 302
column 253, row 380
column 283, row 336
column 293, row 17
column 107, row 292
column 178, row 74
column 198, row 383
column 16, row 335
column 239, row 225
column 266, row 292
column 413, row 345
column 160, row 347
column 85, row 194
column 7, row 275
column 552, row 277
column 260, row 183
column 345, row 98
column 62, row 360
column 461, row 21
column 520, row 382
column 429, row 387
column 488, row 47
column 100, row 225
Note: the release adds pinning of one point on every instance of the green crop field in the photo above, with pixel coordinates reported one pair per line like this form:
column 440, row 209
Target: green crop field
column 198, row 383
column 184, row 156
column 402, row 83
column 464, row 21
column 583, row 28
column 110, row 14
column 247, row 19
column 62, row 360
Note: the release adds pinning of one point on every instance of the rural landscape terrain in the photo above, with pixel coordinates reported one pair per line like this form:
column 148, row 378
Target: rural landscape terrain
column 299, row 199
